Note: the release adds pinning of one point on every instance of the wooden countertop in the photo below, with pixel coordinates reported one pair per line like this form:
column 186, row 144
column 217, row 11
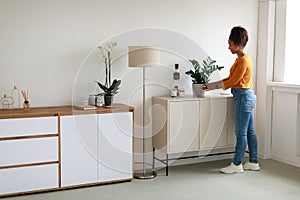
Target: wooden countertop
column 60, row 111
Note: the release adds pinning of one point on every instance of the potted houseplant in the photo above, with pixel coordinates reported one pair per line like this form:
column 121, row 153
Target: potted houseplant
column 109, row 88
column 201, row 74
column 109, row 91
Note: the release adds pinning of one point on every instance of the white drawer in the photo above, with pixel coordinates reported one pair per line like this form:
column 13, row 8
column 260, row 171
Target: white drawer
column 14, row 152
column 28, row 126
column 28, row 178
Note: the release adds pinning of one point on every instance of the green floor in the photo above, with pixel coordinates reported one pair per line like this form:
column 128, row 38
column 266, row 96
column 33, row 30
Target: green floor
column 276, row 181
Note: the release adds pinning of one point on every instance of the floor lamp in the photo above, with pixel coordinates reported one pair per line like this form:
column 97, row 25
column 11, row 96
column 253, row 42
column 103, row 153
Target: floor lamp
column 143, row 56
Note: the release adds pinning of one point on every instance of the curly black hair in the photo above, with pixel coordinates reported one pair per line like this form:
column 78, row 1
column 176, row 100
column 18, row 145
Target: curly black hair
column 239, row 36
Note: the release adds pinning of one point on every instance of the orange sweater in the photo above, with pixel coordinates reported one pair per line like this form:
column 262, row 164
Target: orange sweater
column 240, row 74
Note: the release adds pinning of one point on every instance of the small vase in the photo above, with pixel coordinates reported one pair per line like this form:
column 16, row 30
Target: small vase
column 26, row 105
column 108, row 100
column 198, row 91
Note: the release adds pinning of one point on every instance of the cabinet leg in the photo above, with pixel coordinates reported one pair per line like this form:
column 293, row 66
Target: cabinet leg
column 167, row 164
column 153, row 158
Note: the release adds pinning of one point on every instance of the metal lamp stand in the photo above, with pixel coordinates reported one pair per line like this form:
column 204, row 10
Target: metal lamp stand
column 144, row 174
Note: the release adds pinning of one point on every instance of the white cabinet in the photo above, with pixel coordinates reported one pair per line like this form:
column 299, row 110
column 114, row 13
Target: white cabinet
column 192, row 124
column 52, row 148
column 115, row 146
column 213, row 123
column 28, row 154
column 78, row 149
column 230, row 123
column 96, row 148
column 183, row 126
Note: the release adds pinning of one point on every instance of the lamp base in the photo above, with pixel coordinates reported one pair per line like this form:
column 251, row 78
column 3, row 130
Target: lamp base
column 145, row 174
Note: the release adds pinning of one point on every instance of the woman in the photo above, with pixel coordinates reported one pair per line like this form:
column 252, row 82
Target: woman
column 240, row 82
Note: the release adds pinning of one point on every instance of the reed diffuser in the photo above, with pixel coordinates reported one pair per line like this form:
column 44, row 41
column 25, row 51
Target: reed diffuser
column 26, row 104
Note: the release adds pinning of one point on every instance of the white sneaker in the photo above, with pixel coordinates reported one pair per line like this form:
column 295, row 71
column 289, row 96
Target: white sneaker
column 251, row 166
column 232, row 168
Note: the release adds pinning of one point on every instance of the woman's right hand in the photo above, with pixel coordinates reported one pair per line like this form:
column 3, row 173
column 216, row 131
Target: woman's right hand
column 205, row 86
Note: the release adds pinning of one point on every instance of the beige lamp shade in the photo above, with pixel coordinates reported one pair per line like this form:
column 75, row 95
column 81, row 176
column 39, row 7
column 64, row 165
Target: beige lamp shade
column 143, row 56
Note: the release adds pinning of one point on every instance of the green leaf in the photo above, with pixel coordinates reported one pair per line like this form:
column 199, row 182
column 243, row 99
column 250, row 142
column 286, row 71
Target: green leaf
column 200, row 74
column 112, row 89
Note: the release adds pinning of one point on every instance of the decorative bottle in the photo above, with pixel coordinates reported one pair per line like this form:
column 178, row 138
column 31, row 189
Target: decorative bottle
column 15, row 94
column 6, row 101
column 176, row 77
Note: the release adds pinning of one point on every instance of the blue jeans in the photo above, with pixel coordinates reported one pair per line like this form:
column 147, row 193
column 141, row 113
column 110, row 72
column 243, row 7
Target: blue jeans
column 245, row 101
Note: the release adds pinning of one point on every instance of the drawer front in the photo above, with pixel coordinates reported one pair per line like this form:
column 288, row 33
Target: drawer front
column 15, row 152
column 28, row 179
column 28, row 126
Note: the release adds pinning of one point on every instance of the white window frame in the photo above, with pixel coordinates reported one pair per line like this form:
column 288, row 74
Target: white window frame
column 280, row 44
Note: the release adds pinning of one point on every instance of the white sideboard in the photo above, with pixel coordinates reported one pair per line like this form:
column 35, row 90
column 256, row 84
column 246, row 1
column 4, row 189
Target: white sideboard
column 55, row 148
column 185, row 124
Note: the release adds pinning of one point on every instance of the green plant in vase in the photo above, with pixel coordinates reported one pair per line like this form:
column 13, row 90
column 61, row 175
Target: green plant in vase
column 109, row 92
column 201, row 74
column 109, row 88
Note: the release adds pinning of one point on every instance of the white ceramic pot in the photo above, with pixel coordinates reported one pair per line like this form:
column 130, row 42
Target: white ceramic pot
column 198, row 91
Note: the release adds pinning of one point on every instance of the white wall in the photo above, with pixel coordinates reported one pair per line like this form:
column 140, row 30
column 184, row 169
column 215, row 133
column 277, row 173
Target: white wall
column 44, row 43
column 49, row 46
column 285, row 125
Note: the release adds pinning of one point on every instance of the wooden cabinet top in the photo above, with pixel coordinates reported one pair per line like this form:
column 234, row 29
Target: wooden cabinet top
column 60, row 111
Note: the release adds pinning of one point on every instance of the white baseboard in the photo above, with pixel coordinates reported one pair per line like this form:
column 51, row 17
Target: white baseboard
column 290, row 161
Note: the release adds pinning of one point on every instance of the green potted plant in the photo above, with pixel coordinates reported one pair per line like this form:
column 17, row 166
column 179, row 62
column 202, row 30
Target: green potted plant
column 108, row 92
column 201, row 74
column 109, row 88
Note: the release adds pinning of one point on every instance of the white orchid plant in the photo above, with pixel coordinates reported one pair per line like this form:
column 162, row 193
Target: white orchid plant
column 109, row 88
